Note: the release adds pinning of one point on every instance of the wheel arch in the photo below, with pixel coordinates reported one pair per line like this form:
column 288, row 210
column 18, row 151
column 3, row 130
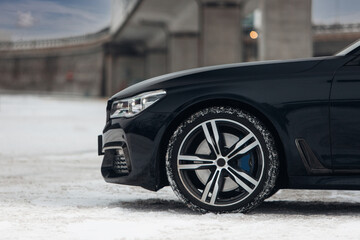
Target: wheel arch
column 188, row 110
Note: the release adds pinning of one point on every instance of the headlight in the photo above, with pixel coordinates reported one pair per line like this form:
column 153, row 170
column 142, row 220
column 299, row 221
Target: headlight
column 131, row 106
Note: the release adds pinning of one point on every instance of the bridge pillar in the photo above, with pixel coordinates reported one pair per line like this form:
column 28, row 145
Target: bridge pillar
column 123, row 67
column 220, row 32
column 107, row 75
column 156, row 62
column 286, row 29
column 183, row 51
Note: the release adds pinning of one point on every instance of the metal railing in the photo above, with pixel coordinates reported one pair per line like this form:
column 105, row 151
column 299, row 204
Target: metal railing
column 53, row 43
column 105, row 33
column 336, row 28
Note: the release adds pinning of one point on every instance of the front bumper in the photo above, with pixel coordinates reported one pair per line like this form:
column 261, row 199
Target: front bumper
column 132, row 149
column 114, row 146
column 111, row 139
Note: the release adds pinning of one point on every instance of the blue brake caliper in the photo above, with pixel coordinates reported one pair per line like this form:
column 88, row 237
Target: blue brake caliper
column 244, row 163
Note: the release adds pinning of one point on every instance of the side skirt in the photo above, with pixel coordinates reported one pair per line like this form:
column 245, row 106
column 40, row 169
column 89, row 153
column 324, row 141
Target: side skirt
column 325, row 182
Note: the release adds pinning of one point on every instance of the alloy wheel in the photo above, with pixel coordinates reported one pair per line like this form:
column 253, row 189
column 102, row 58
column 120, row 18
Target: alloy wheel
column 227, row 163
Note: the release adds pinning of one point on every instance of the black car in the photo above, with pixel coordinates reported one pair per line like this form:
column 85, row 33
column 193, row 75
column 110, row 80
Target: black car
column 227, row 137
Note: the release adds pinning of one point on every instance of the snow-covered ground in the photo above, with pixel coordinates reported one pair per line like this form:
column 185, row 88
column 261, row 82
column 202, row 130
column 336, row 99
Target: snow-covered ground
column 51, row 188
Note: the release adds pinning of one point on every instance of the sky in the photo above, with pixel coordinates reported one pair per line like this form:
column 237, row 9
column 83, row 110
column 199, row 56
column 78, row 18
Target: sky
column 39, row 19
column 335, row 11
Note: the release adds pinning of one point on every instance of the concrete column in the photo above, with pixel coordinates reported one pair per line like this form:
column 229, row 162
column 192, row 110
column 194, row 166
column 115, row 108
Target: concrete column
column 107, row 75
column 285, row 29
column 155, row 62
column 123, row 67
column 221, row 32
column 183, row 51
column 127, row 70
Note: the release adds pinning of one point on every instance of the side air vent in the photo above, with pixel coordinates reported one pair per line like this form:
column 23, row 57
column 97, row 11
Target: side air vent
column 121, row 162
column 311, row 162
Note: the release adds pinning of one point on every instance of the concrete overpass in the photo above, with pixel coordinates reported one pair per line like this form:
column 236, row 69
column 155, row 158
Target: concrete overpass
column 147, row 38
column 160, row 36
column 69, row 65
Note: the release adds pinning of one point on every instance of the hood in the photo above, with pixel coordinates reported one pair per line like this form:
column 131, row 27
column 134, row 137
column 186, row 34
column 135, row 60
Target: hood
column 249, row 68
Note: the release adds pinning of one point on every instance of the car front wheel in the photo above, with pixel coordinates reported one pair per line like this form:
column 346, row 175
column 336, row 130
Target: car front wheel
column 222, row 159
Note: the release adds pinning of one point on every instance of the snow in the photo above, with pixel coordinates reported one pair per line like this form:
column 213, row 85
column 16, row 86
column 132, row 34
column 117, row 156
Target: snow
column 51, row 187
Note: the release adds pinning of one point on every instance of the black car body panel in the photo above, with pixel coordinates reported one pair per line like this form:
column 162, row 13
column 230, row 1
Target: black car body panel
column 310, row 99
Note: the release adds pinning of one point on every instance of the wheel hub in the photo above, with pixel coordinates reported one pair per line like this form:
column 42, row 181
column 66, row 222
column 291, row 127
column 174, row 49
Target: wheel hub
column 221, row 162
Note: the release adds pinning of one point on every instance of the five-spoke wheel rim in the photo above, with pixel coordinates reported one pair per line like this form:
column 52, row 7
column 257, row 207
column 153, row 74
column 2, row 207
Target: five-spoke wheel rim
column 231, row 168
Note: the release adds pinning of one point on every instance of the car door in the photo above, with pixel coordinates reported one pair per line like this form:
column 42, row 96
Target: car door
column 345, row 117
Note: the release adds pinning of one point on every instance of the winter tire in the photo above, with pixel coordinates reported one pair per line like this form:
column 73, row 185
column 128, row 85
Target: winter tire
column 222, row 159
